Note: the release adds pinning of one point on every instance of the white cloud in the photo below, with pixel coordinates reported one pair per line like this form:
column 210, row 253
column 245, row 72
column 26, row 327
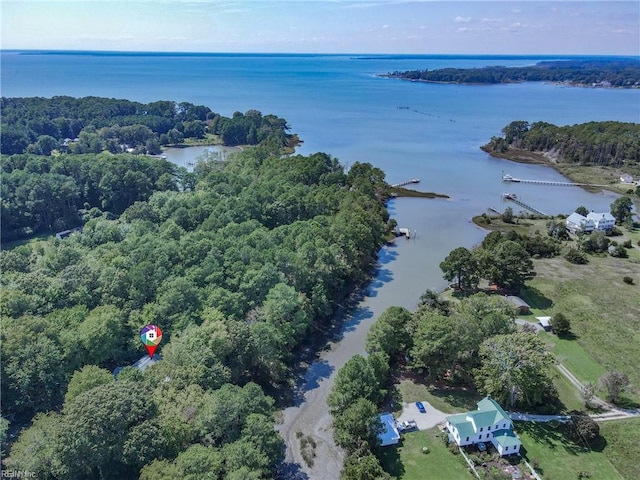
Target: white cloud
column 460, row 19
column 490, row 20
column 384, row 27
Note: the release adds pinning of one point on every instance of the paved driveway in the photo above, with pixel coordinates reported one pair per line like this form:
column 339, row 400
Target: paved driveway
column 425, row 421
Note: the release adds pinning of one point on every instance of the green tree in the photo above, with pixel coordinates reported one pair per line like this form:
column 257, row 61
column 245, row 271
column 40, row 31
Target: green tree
column 358, row 423
column 515, row 366
column 561, row 325
column 621, row 209
column 86, row 379
column 582, row 211
column 365, row 467
column 200, row 462
column 93, row 440
column 390, row 332
column 615, row 383
column 582, row 428
column 356, row 379
column 507, row 215
column 462, row 266
column 103, row 334
column 511, row 265
column 39, row 448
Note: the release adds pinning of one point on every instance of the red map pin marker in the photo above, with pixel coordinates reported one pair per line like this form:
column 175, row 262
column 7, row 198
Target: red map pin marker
column 151, row 336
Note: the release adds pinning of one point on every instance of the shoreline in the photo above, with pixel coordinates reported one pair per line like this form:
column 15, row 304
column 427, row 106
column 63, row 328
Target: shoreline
column 587, row 174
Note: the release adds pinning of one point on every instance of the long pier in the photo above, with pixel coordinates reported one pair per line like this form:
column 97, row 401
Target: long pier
column 524, row 205
column 509, row 179
column 408, row 182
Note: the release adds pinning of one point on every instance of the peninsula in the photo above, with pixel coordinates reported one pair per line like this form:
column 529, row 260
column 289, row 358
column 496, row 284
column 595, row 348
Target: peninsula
column 602, row 73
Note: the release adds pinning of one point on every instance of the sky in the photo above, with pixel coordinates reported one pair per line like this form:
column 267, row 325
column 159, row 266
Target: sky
column 325, row 26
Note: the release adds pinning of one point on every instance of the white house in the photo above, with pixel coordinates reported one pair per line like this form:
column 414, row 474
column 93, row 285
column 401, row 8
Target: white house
column 489, row 423
column 602, row 221
column 626, row 178
column 579, row 223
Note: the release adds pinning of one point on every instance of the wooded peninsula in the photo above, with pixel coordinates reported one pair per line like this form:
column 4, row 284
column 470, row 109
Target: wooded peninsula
column 607, row 73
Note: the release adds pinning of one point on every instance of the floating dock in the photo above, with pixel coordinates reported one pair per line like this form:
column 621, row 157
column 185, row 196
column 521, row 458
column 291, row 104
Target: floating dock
column 408, row 182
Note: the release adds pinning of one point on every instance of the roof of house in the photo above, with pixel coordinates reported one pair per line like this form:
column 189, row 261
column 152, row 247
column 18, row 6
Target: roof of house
column 544, row 321
column 506, row 438
column 517, row 301
column 600, row 216
column 488, row 414
column 489, row 404
column 389, row 434
column 576, row 218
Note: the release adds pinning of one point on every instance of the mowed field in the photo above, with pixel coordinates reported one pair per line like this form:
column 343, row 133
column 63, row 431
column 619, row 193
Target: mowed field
column 604, row 312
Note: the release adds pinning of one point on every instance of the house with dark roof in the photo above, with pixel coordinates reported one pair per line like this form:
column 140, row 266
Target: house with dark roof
column 520, row 304
column 489, row 423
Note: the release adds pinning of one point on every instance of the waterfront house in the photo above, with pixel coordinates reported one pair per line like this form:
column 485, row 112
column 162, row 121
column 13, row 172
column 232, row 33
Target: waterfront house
column 602, row 221
column 577, row 223
column 489, row 423
column 626, row 178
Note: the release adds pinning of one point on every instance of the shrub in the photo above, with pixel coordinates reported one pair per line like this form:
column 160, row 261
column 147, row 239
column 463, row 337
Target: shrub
column 577, row 257
column 627, row 280
column 627, row 244
column 561, row 325
column 620, row 252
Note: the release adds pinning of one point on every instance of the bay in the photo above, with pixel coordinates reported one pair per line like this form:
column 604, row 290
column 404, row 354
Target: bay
column 338, row 104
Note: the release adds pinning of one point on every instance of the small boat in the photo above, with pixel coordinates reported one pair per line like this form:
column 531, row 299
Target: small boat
column 509, row 178
column 510, row 196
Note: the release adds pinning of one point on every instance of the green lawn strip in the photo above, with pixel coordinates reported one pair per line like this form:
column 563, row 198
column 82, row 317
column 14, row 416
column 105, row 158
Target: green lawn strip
column 447, row 400
column 567, row 393
column 623, row 446
column 570, row 353
column 408, row 462
column 559, row 458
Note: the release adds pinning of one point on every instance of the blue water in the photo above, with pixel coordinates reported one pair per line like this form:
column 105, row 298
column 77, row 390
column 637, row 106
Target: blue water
column 337, row 104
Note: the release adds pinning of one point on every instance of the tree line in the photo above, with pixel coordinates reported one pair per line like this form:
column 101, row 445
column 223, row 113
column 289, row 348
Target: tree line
column 238, row 271
column 92, row 124
column 613, row 144
column 474, row 341
column 54, row 193
column 617, row 73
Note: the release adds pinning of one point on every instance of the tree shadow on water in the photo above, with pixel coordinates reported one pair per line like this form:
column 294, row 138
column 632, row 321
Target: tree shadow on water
column 290, row 471
column 317, row 371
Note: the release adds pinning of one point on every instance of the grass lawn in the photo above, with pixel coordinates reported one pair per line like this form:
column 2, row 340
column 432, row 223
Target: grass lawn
column 447, row 400
column 623, row 446
column 603, row 310
column 567, row 393
column 407, row 462
column 561, row 459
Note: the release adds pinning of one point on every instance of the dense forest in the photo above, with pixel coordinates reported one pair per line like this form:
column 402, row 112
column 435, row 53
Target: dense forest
column 93, row 124
column 614, row 144
column 238, row 269
column 604, row 73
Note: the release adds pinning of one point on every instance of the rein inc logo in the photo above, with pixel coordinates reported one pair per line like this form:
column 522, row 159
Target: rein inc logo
column 17, row 474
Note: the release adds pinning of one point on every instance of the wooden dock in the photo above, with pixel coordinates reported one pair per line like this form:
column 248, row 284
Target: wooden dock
column 509, row 179
column 523, row 205
column 408, row 182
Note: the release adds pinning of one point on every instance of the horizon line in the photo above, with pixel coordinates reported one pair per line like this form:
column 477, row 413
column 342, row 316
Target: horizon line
column 398, row 55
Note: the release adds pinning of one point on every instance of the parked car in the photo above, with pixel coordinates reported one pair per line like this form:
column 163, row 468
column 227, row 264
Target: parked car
column 420, row 407
column 407, row 426
column 482, row 447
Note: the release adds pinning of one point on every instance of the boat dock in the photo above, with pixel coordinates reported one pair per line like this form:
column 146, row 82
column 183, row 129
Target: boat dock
column 509, row 178
column 408, row 182
column 513, row 198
